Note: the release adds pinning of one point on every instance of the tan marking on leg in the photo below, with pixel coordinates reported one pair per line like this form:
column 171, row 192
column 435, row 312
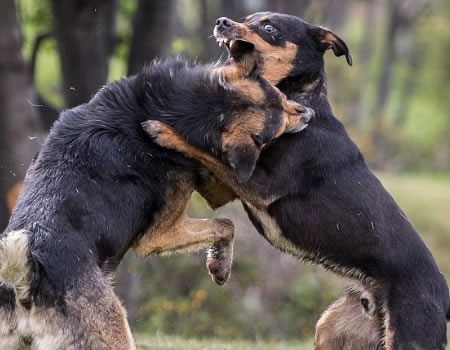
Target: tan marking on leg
column 388, row 333
column 179, row 191
column 185, row 235
column 93, row 319
column 192, row 235
column 172, row 231
column 9, row 336
column 217, row 194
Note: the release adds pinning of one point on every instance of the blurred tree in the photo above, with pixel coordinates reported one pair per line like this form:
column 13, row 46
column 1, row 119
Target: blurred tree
column 20, row 134
column 85, row 31
column 296, row 8
column 400, row 16
column 47, row 113
column 207, row 20
column 152, row 32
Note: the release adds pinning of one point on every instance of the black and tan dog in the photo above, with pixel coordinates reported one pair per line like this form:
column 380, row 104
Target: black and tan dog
column 99, row 184
column 314, row 197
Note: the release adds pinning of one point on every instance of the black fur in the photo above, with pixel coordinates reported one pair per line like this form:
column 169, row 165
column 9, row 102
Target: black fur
column 99, row 178
column 337, row 212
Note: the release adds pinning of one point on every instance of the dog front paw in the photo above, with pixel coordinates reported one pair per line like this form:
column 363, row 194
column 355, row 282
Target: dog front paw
column 299, row 116
column 220, row 256
column 292, row 107
column 162, row 134
column 219, row 261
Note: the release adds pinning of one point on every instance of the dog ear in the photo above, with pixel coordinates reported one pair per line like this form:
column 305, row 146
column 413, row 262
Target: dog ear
column 329, row 40
column 242, row 159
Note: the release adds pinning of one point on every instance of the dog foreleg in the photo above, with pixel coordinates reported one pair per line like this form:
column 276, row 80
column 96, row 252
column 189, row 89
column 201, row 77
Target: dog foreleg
column 191, row 235
column 251, row 191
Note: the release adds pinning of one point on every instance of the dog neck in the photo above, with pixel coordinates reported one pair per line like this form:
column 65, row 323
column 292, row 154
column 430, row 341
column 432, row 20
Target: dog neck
column 310, row 90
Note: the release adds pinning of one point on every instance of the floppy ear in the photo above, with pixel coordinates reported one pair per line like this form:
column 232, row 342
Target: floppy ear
column 242, row 159
column 329, row 40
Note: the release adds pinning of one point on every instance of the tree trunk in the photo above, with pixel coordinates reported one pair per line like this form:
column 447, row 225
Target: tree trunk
column 400, row 16
column 393, row 25
column 47, row 113
column 336, row 14
column 152, row 32
column 295, row 8
column 20, row 133
column 211, row 51
column 85, row 33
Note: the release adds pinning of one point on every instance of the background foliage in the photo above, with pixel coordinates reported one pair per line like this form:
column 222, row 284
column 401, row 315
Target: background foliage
column 394, row 101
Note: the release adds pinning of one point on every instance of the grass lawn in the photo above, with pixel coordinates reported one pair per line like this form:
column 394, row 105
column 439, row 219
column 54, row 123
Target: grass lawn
column 175, row 343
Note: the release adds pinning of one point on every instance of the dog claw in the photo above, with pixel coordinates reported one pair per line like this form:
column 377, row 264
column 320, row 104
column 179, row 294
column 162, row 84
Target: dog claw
column 220, row 257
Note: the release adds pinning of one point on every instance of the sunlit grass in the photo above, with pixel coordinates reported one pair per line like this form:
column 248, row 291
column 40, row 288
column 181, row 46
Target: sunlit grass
column 161, row 342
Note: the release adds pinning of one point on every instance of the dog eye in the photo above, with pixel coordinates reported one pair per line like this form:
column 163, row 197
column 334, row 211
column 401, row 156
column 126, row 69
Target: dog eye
column 257, row 139
column 269, row 29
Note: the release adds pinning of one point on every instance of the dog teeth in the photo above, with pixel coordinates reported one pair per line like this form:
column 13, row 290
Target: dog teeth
column 232, row 43
column 225, row 41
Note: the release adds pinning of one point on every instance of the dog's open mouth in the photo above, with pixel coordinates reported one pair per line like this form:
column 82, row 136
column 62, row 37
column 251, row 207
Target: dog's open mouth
column 237, row 48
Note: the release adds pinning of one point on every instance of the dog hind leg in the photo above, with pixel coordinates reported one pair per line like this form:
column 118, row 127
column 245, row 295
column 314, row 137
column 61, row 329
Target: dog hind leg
column 9, row 336
column 92, row 318
column 414, row 324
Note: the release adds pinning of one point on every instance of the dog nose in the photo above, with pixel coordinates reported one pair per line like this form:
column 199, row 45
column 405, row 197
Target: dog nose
column 224, row 23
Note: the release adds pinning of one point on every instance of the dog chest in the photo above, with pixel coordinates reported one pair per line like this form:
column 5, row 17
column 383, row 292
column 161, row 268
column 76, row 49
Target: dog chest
column 272, row 231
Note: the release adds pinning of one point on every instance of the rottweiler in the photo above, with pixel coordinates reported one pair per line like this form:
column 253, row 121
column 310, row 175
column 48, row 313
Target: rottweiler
column 314, row 197
column 100, row 186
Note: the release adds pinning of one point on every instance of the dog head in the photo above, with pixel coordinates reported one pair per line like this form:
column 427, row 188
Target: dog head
column 257, row 112
column 286, row 45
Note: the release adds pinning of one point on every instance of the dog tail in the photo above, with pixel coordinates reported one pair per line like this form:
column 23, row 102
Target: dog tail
column 14, row 263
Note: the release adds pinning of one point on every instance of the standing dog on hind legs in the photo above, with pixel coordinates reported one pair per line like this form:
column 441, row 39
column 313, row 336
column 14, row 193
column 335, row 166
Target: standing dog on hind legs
column 314, row 197
column 99, row 185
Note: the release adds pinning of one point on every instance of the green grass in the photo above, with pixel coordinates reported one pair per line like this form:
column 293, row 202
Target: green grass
column 175, row 343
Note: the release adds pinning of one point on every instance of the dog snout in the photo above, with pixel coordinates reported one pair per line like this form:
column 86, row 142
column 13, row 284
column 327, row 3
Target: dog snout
column 308, row 114
column 223, row 23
